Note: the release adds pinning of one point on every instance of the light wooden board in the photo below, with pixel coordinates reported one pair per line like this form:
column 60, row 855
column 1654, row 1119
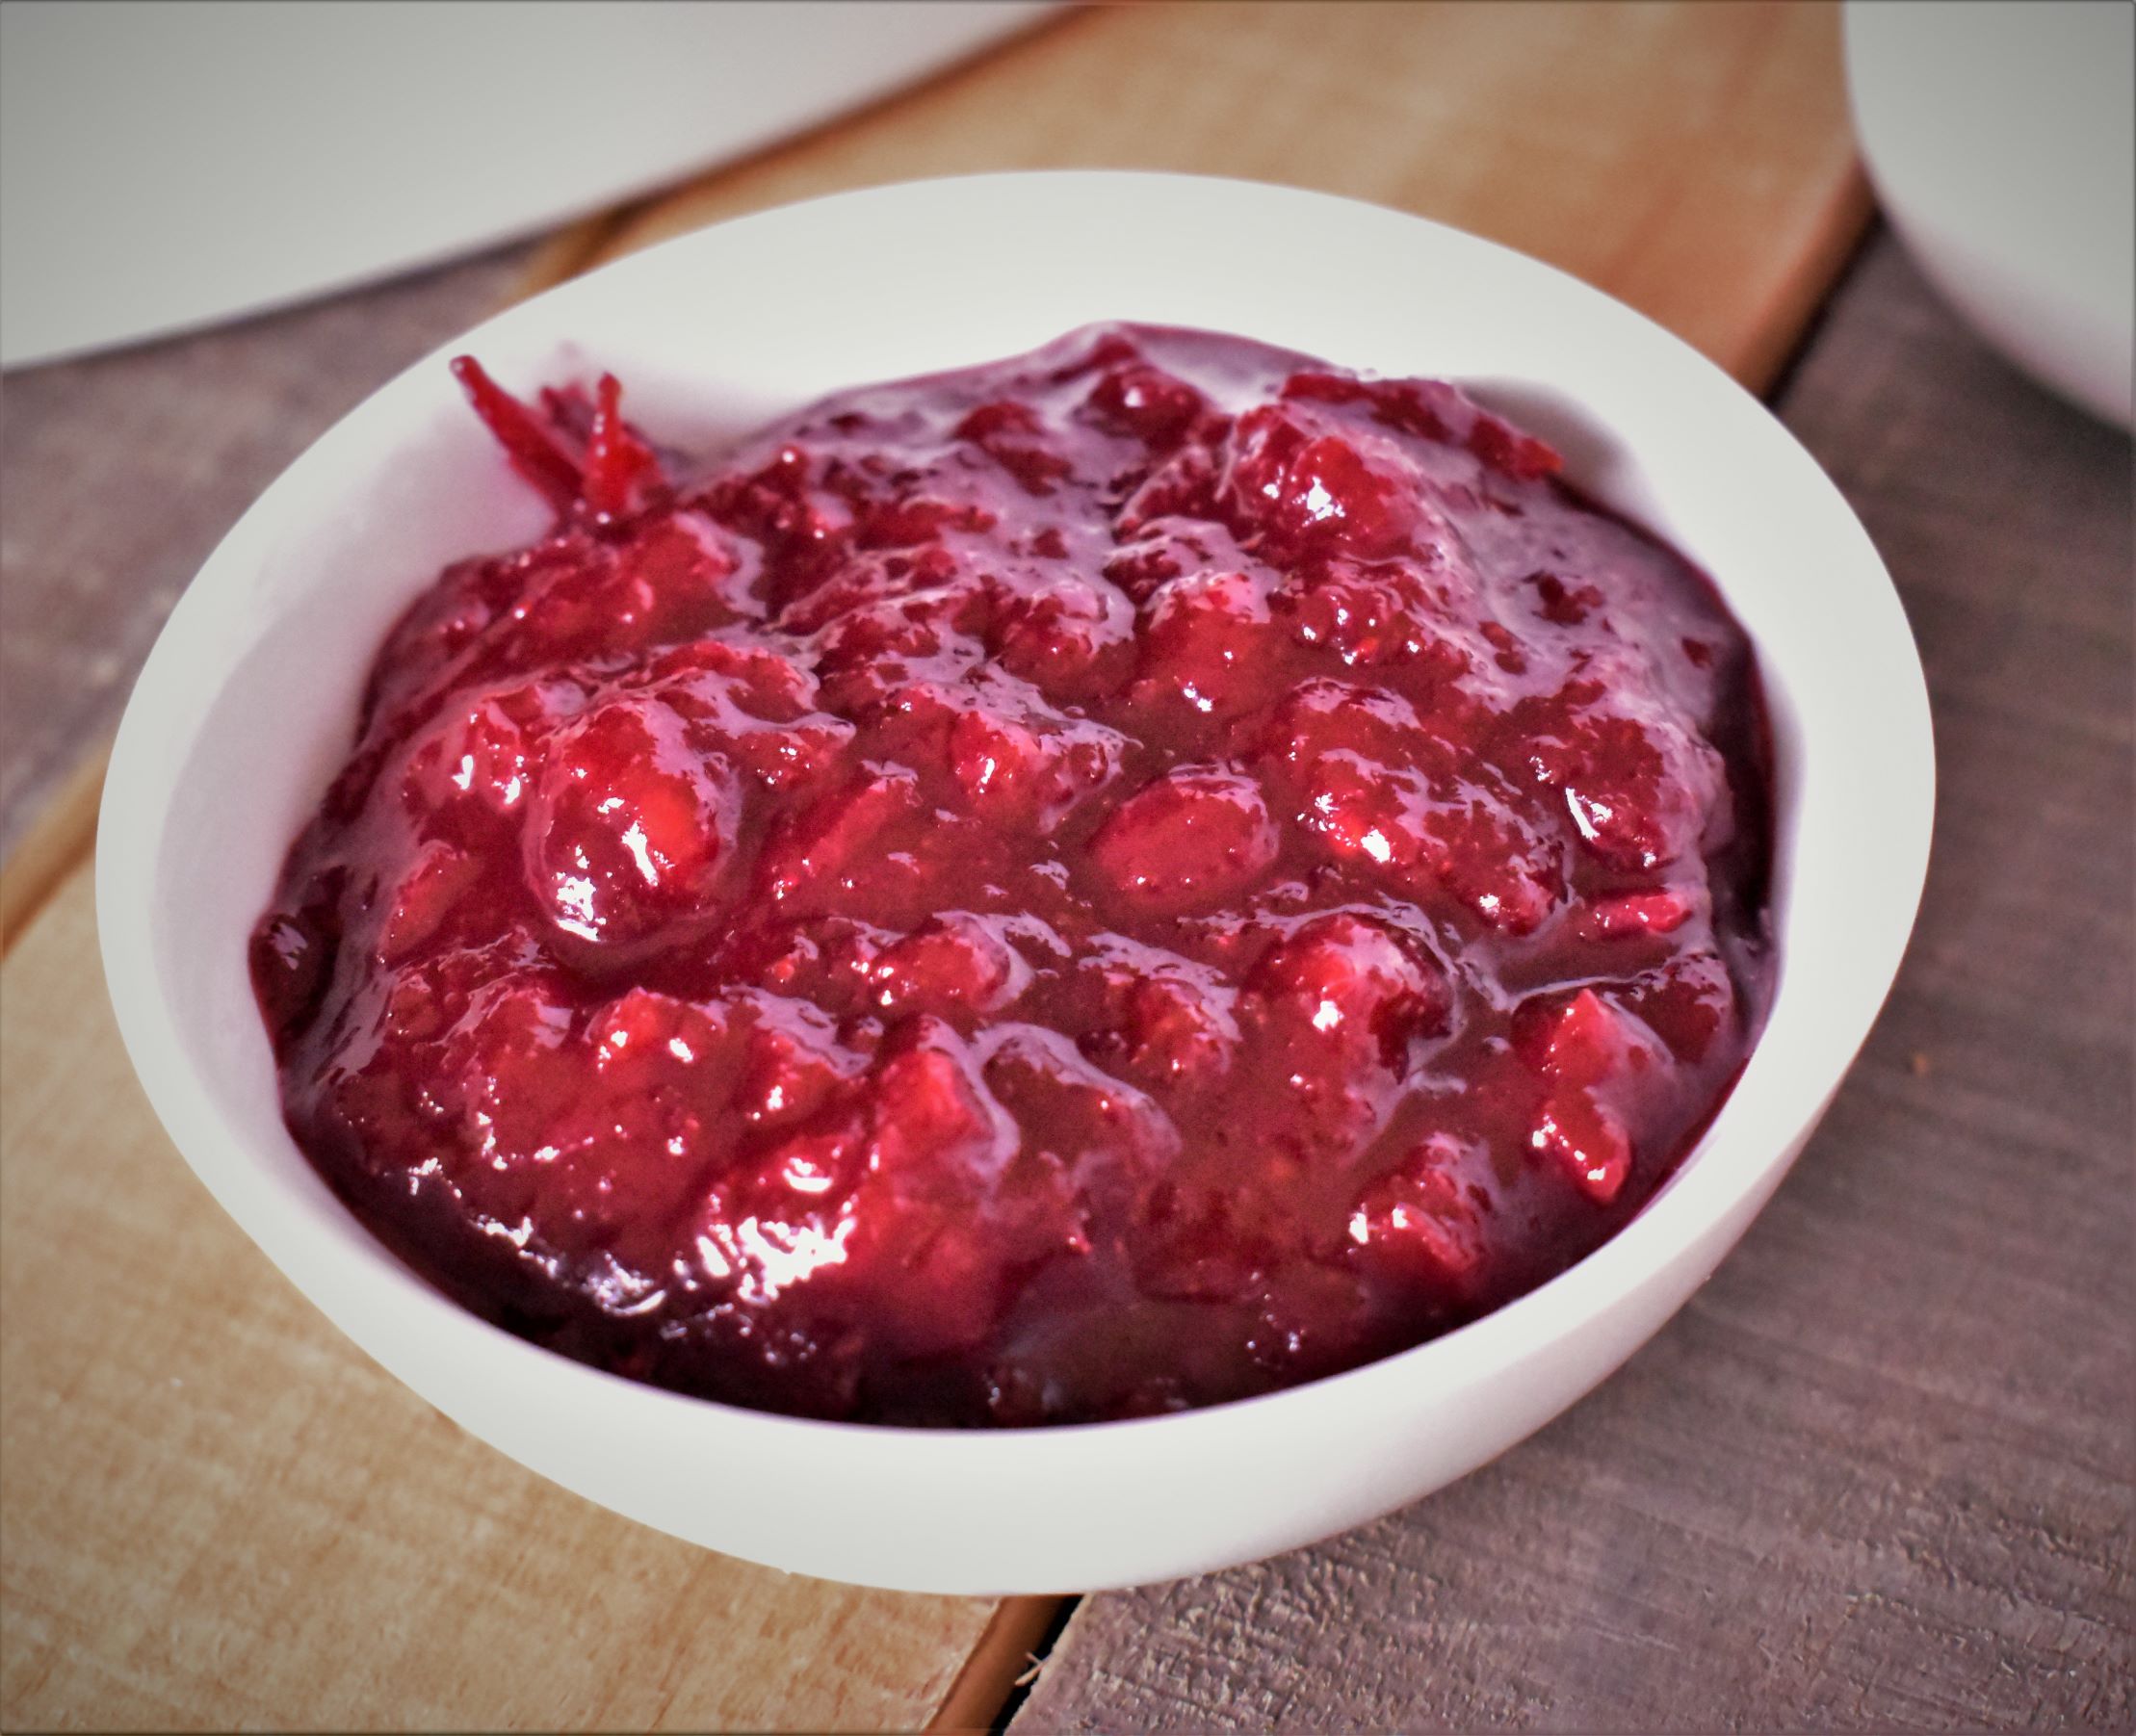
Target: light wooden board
column 284, row 1535
column 1694, row 160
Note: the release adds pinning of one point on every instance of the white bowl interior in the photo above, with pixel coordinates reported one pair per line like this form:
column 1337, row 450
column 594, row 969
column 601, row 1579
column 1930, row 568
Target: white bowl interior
column 248, row 702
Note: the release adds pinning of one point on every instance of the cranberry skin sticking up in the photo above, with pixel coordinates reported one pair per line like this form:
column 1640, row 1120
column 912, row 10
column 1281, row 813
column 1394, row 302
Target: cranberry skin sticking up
column 618, row 469
column 1115, row 880
column 533, row 450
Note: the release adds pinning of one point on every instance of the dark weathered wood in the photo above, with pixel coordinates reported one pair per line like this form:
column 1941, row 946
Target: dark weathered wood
column 1881, row 1471
column 121, row 472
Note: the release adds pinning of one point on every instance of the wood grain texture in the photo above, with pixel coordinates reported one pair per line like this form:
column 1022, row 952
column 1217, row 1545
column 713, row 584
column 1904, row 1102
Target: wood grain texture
column 52, row 848
column 1006, row 1653
column 217, row 1514
column 1880, row 1473
column 1694, row 160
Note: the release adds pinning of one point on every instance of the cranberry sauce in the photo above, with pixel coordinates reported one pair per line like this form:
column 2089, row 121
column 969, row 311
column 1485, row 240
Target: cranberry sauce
column 1113, row 881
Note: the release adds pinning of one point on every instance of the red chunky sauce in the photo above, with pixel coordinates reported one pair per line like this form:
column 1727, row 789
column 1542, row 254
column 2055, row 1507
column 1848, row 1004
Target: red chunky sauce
column 1108, row 882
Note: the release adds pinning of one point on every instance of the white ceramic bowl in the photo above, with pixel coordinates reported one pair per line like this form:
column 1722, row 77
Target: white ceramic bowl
column 2001, row 137
column 248, row 702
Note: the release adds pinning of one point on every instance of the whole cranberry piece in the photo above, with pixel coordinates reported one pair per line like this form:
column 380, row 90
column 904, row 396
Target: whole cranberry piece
column 1594, row 1057
column 791, row 1064
column 828, row 845
column 1422, row 1226
column 485, row 752
column 1065, row 639
column 1178, row 1031
column 1193, row 838
column 1640, row 791
column 629, row 827
column 1343, row 985
column 1146, row 402
column 1209, row 641
column 955, row 961
column 1300, row 490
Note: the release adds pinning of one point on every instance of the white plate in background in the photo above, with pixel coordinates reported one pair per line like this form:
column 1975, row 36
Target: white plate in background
column 165, row 164
column 2001, row 137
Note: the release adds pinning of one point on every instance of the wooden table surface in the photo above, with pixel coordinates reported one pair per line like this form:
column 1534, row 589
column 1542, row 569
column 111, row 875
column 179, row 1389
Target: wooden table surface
column 1880, row 1472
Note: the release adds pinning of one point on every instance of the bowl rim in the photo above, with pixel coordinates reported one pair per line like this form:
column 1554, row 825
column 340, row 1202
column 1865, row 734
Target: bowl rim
column 1691, row 1204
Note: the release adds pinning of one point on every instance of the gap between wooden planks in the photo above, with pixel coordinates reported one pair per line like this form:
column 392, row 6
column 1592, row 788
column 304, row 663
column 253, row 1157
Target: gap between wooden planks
column 1693, row 159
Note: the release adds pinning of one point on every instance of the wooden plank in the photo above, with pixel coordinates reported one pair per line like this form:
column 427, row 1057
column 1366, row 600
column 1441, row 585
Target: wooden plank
column 219, row 1513
column 51, row 849
column 1880, row 1472
column 1006, row 1653
column 201, row 1559
column 1694, row 160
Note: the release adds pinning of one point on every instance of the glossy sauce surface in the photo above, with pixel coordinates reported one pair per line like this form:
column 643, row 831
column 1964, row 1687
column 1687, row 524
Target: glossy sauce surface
column 1111, row 881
